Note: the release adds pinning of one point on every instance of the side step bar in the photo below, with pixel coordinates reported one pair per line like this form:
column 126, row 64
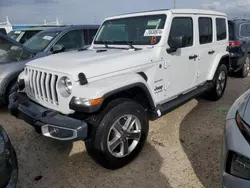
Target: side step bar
column 181, row 99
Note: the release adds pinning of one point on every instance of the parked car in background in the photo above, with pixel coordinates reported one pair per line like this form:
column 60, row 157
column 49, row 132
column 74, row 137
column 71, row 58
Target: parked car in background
column 61, row 39
column 235, row 163
column 14, row 55
column 8, row 162
column 140, row 66
column 239, row 46
column 22, row 35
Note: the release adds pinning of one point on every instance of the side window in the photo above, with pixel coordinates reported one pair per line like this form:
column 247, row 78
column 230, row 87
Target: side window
column 245, row 30
column 205, row 30
column 72, row 39
column 89, row 35
column 182, row 26
column 27, row 35
column 231, row 31
column 2, row 30
column 221, row 29
column 92, row 33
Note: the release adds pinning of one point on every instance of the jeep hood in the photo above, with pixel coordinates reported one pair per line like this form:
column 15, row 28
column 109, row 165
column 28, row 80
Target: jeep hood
column 94, row 62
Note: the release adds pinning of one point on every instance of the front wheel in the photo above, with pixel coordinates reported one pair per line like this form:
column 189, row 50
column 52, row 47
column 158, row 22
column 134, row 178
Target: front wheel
column 218, row 84
column 118, row 134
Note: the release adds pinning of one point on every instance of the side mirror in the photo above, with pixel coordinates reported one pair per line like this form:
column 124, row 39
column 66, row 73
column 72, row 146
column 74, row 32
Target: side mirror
column 15, row 48
column 175, row 43
column 58, row 48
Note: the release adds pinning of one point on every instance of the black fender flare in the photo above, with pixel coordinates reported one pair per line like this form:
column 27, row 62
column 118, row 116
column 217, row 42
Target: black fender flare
column 140, row 85
column 7, row 80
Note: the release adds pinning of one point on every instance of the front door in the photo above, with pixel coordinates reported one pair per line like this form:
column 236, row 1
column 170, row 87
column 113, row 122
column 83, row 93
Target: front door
column 181, row 66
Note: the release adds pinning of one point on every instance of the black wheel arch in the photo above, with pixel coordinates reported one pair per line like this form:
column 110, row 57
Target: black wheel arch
column 131, row 91
column 225, row 59
column 10, row 79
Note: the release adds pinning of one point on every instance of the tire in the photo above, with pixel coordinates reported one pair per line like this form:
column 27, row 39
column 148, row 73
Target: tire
column 105, row 126
column 246, row 66
column 218, row 84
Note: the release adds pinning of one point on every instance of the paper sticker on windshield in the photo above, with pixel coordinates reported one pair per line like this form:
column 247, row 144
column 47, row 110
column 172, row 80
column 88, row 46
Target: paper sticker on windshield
column 47, row 37
column 17, row 32
column 153, row 32
column 153, row 40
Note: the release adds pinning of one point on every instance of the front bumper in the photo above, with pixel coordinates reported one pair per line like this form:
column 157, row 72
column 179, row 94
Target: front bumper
column 49, row 122
column 233, row 140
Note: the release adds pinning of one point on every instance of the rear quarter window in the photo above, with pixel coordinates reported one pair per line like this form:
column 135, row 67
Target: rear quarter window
column 245, row 30
column 221, row 29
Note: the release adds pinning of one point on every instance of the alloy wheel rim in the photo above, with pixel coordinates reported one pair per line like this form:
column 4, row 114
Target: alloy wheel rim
column 247, row 65
column 221, row 82
column 124, row 135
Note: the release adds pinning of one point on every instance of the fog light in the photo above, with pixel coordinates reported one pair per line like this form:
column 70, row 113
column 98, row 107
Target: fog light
column 59, row 133
column 240, row 166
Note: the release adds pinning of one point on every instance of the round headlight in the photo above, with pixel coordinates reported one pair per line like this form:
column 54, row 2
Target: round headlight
column 65, row 86
column 68, row 85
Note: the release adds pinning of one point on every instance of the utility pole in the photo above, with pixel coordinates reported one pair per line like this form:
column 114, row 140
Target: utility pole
column 174, row 4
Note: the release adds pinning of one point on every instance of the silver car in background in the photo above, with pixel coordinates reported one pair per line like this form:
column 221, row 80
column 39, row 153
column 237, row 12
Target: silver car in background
column 235, row 164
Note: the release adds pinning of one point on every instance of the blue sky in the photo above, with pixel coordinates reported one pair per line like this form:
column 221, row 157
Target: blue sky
column 94, row 11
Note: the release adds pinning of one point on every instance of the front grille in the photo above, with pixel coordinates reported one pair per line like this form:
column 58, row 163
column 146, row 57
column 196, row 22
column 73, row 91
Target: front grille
column 42, row 85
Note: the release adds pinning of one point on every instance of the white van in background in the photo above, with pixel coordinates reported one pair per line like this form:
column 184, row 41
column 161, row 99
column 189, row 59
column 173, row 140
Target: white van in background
column 5, row 27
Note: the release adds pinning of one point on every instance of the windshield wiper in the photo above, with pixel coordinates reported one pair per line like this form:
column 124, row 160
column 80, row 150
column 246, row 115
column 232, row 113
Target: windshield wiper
column 129, row 43
column 83, row 48
column 104, row 42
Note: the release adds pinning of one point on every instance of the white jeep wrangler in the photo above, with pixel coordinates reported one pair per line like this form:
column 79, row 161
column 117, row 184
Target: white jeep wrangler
column 139, row 67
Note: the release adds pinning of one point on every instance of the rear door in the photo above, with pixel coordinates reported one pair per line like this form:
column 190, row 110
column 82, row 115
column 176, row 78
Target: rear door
column 213, row 39
column 205, row 46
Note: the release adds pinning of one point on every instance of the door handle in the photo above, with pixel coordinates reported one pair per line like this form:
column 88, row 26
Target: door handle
column 193, row 56
column 211, row 52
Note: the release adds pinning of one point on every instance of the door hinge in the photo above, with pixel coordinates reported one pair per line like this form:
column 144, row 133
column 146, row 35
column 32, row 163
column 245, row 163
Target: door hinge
column 198, row 74
column 166, row 64
column 166, row 86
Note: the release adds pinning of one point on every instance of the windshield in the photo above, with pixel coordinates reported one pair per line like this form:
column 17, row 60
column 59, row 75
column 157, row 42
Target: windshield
column 40, row 41
column 140, row 30
column 14, row 34
column 10, row 52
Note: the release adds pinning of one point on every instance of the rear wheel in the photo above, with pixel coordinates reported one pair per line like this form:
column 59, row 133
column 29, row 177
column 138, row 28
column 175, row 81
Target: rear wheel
column 246, row 67
column 118, row 134
column 218, row 84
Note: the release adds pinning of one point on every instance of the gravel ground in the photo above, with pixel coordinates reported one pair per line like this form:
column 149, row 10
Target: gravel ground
column 183, row 150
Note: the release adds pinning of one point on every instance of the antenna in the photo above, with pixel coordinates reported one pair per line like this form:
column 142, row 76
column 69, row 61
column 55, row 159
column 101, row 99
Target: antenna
column 7, row 20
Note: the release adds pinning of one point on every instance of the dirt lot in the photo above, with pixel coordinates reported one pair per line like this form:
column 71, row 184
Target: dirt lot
column 183, row 150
